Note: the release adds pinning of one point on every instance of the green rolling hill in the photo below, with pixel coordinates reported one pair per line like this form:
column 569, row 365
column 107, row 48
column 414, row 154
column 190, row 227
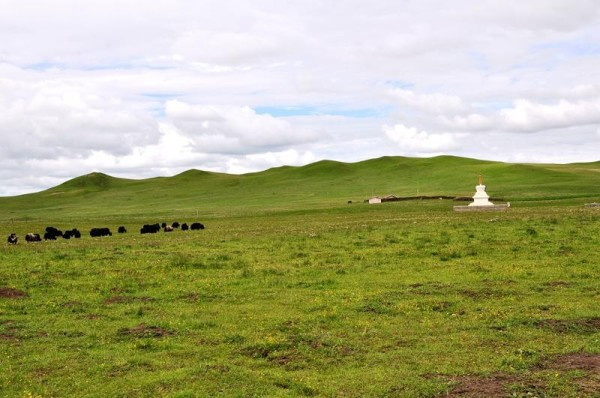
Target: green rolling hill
column 320, row 184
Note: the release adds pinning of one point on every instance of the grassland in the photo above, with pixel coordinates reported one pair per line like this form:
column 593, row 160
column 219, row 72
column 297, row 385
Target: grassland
column 405, row 299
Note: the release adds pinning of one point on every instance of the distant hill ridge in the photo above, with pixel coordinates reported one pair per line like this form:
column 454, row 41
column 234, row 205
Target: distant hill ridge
column 315, row 184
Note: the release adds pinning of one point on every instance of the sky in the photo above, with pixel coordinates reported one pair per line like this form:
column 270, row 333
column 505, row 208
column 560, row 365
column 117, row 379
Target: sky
column 137, row 88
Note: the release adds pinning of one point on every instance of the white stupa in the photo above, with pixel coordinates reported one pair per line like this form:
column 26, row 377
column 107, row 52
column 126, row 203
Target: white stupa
column 481, row 198
column 481, row 201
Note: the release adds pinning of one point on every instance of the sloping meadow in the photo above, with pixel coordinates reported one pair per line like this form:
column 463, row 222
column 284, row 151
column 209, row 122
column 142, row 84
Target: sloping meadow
column 402, row 299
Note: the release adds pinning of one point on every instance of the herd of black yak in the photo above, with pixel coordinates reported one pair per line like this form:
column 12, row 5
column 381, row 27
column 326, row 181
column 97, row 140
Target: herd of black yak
column 53, row 233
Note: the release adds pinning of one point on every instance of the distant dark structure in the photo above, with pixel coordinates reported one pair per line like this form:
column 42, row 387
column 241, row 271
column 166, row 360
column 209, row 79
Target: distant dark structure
column 13, row 239
column 121, row 230
column 175, row 224
column 97, row 232
column 52, row 233
column 31, row 237
column 150, row 229
column 184, row 227
column 196, row 226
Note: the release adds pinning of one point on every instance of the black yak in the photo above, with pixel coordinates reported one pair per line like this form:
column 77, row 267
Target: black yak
column 96, row 232
column 150, row 229
column 184, row 227
column 31, row 237
column 72, row 233
column 13, row 239
column 196, row 226
column 175, row 224
column 50, row 236
column 52, row 233
column 121, row 230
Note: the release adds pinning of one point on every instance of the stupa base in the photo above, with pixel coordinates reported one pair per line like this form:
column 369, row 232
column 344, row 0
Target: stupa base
column 500, row 207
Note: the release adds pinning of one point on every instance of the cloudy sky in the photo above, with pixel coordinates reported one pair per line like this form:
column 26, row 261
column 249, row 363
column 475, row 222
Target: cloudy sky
column 146, row 88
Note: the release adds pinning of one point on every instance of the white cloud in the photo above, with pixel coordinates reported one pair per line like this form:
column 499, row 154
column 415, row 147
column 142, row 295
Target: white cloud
column 527, row 116
column 435, row 103
column 263, row 161
column 470, row 122
column 58, row 119
column 411, row 140
column 233, row 129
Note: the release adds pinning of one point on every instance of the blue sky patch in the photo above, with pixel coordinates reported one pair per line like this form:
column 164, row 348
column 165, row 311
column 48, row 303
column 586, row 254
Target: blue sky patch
column 576, row 48
column 399, row 84
column 44, row 66
column 162, row 96
column 287, row 111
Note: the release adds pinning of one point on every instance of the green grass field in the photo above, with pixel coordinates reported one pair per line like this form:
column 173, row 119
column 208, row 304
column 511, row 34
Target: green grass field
column 290, row 291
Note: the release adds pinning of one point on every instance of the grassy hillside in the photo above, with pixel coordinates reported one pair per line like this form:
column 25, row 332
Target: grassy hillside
column 319, row 184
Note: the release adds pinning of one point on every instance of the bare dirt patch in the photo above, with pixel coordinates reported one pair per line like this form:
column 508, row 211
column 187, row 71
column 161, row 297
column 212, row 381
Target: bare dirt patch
column 587, row 363
column 503, row 385
column 582, row 325
column 11, row 293
column 494, row 386
column 143, row 330
column 195, row 297
column 577, row 361
column 557, row 284
column 8, row 336
column 190, row 297
column 479, row 386
column 10, row 331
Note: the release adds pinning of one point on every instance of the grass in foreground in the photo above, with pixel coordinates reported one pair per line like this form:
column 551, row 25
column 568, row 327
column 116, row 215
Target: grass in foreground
column 401, row 299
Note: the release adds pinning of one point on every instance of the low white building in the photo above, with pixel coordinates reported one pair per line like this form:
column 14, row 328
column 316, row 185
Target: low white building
column 374, row 200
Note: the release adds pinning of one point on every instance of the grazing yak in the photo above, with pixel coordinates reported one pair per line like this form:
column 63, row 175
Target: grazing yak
column 168, row 228
column 13, row 239
column 52, row 233
column 72, row 233
column 121, row 230
column 196, row 226
column 163, row 224
column 184, row 227
column 96, row 232
column 175, row 224
column 150, row 229
column 31, row 237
